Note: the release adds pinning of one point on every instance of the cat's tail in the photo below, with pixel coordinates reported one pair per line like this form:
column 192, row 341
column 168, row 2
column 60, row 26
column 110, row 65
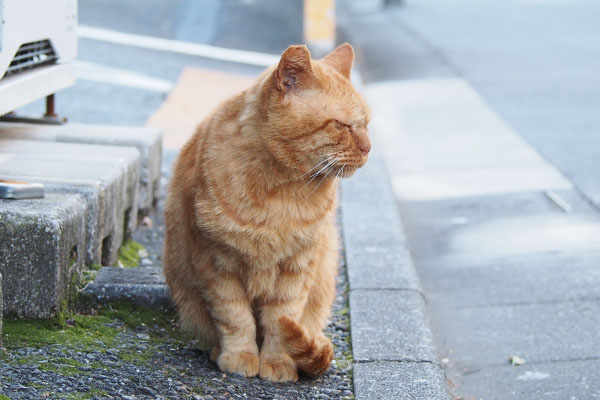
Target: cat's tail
column 311, row 355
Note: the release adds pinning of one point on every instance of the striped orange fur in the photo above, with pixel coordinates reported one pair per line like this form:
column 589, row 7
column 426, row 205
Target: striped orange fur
column 251, row 249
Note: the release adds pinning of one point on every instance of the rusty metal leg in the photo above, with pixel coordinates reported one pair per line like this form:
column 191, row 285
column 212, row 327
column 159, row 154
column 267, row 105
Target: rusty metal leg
column 50, row 107
column 50, row 118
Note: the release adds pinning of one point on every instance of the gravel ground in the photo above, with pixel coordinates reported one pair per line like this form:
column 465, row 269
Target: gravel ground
column 148, row 361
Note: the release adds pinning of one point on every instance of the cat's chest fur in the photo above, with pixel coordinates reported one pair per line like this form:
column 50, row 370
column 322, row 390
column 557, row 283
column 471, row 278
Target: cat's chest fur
column 268, row 232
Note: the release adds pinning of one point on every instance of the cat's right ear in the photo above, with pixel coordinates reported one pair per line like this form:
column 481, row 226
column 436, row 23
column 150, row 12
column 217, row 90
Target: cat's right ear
column 294, row 68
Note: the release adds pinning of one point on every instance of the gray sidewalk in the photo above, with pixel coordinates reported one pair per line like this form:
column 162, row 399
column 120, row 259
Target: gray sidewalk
column 394, row 353
column 505, row 245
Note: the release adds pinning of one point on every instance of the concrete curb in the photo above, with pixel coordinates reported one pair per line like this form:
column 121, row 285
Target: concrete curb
column 392, row 344
column 109, row 184
column 143, row 286
column 42, row 244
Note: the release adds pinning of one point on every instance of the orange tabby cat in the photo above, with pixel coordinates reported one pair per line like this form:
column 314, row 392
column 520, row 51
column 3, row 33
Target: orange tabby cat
column 251, row 249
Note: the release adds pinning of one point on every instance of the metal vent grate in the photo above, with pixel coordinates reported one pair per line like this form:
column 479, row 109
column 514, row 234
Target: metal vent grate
column 31, row 55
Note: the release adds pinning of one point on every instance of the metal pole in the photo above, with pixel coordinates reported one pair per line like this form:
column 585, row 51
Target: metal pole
column 50, row 107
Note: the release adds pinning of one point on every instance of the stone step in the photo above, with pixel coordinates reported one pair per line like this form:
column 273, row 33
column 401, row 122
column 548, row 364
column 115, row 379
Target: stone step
column 143, row 286
column 107, row 181
column 148, row 141
column 42, row 244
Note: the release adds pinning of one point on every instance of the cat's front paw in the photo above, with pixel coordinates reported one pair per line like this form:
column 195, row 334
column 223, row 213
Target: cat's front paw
column 278, row 368
column 242, row 363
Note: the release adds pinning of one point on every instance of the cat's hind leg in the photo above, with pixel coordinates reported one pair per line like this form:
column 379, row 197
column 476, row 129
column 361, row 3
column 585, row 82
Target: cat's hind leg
column 195, row 319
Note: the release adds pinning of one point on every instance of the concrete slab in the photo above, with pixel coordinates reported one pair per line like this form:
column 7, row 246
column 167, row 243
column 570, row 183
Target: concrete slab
column 513, row 249
column 538, row 332
column 544, row 278
column 128, row 158
column 146, row 140
column 466, row 150
column 102, row 182
column 390, row 325
column 576, row 380
column 399, row 380
column 375, row 245
column 143, row 286
column 42, row 245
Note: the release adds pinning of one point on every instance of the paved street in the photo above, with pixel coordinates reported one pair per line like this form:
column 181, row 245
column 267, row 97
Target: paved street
column 485, row 113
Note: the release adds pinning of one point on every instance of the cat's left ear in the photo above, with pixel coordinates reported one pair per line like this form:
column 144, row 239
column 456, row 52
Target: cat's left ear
column 294, row 68
column 341, row 59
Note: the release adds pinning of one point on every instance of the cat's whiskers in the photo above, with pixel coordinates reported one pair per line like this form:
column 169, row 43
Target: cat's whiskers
column 321, row 181
column 316, row 166
column 327, row 168
column 329, row 164
column 325, row 175
column 369, row 175
column 340, row 173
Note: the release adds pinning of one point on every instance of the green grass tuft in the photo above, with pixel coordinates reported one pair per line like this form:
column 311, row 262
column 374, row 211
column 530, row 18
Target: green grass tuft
column 129, row 254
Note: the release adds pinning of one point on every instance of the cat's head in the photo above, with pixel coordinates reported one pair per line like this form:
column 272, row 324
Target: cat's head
column 317, row 120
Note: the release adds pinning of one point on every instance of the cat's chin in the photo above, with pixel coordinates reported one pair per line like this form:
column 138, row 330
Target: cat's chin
column 347, row 171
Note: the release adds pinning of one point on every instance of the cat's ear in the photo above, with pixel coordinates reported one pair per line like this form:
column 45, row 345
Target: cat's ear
column 294, row 68
column 341, row 58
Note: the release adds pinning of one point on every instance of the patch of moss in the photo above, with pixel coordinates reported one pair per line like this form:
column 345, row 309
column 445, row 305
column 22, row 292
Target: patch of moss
column 95, row 267
column 86, row 331
column 37, row 385
column 135, row 316
column 343, row 311
column 93, row 392
column 63, row 366
column 64, row 370
column 83, row 330
column 129, row 254
column 3, row 397
column 138, row 357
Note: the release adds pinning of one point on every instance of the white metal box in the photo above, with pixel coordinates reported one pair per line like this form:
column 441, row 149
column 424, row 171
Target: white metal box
column 38, row 39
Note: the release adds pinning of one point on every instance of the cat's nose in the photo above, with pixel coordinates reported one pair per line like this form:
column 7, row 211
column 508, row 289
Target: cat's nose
column 363, row 142
column 365, row 148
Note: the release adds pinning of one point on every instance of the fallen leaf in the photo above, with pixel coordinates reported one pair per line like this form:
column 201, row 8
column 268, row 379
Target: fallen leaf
column 516, row 360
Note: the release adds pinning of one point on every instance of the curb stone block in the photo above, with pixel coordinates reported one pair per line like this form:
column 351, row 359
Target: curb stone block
column 143, row 286
column 63, row 175
column 374, row 240
column 148, row 141
column 391, row 337
column 400, row 381
column 128, row 158
column 41, row 247
column 390, row 325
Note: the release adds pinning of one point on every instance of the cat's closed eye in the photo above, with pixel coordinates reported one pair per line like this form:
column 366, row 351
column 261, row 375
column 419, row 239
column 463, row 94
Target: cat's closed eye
column 341, row 126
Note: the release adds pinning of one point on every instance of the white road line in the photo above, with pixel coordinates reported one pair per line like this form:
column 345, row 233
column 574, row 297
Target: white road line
column 559, row 201
column 115, row 76
column 175, row 46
